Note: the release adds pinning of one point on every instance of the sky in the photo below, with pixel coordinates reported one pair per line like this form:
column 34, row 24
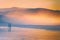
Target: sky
column 32, row 19
column 50, row 4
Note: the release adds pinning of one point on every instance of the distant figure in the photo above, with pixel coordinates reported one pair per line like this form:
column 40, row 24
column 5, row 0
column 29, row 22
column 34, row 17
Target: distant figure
column 9, row 25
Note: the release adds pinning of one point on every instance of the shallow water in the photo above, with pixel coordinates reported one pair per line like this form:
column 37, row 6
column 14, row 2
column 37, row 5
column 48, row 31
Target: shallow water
column 28, row 34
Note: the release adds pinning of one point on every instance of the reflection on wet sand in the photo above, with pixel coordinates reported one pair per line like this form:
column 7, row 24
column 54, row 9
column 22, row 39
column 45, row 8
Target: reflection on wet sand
column 30, row 34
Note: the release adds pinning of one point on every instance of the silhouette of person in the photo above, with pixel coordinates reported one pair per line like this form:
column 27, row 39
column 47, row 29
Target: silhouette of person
column 9, row 25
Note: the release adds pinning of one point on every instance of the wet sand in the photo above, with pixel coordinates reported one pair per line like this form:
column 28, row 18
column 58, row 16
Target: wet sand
column 29, row 34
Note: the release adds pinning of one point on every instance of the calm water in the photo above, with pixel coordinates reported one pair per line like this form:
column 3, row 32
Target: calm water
column 18, row 33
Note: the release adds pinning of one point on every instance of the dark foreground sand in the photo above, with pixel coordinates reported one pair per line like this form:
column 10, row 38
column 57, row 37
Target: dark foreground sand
column 29, row 34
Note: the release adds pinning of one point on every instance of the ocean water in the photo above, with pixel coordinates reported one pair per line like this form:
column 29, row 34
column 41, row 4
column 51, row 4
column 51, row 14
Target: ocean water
column 18, row 33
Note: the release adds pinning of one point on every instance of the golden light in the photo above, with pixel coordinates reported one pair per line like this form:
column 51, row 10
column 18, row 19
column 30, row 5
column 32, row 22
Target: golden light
column 49, row 4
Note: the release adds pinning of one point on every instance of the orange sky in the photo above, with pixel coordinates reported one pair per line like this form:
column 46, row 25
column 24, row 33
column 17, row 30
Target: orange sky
column 50, row 4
